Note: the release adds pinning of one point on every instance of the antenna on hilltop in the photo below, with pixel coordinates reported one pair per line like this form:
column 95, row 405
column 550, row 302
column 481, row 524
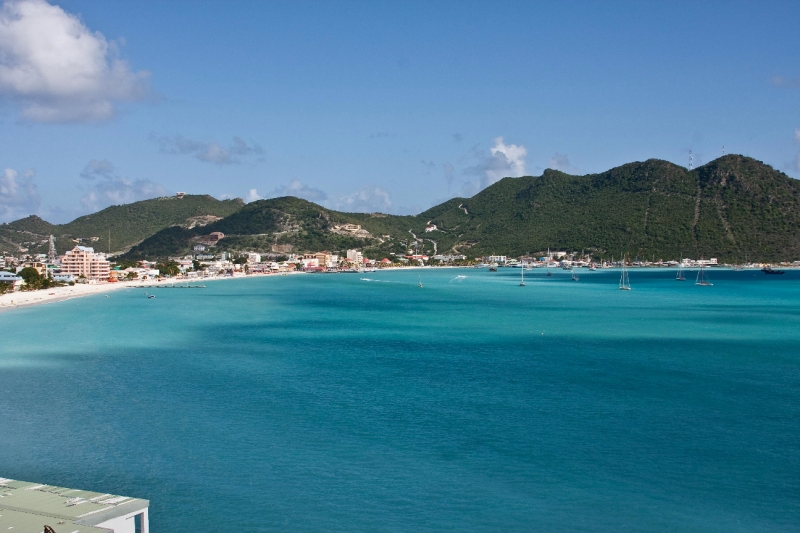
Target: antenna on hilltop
column 691, row 160
column 723, row 149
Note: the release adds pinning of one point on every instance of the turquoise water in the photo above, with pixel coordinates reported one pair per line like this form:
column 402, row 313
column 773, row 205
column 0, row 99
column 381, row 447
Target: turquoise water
column 330, row 403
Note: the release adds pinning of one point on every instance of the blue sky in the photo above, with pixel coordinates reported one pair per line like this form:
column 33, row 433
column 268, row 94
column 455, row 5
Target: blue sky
column 377, row 106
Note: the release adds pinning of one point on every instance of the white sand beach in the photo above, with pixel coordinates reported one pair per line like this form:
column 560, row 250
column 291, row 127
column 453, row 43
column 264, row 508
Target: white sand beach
column 27, row 298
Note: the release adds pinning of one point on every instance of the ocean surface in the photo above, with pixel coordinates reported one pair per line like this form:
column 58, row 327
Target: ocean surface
column 336, row 403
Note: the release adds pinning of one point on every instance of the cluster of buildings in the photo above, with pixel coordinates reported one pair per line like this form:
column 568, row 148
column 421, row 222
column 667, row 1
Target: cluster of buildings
column 81, row 263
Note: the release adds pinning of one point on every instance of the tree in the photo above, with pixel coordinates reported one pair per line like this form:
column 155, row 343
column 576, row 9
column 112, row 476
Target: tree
column 169, row 268
column 31, row 277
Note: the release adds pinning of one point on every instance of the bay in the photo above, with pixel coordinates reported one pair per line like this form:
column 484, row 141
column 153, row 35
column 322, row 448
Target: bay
column 366, row 403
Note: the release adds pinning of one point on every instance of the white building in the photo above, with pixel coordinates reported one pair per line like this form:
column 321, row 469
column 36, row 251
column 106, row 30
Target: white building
column 253, row 257
column 354, row 256
column 32, row 507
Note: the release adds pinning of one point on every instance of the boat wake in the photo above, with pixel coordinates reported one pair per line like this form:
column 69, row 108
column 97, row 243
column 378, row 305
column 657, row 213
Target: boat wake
column 458, row 278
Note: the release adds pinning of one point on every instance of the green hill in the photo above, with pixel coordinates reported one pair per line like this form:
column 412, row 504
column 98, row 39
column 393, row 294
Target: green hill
column 126, row 224
column 734, row 208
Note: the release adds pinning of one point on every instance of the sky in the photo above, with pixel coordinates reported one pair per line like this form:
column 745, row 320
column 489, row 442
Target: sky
column 377, row 106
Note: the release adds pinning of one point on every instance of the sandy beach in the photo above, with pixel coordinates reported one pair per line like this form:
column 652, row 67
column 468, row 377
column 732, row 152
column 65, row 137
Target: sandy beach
column 27, row 298
column 19, row 299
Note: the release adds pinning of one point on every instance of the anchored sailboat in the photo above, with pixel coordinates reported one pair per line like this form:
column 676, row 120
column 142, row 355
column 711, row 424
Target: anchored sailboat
column 679, row 276
column 624, row 280
column 702, row 279
column 522, row 274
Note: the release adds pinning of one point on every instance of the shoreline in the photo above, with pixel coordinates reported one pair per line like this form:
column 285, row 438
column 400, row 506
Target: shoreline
column 21, row 299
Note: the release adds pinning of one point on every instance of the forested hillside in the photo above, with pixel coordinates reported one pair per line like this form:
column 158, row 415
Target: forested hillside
column 734, row 208
column 126, row 224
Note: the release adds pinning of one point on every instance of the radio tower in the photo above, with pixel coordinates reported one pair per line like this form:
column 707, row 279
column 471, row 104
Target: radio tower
column 723, row 149
column 51, row 252
column 691, row 160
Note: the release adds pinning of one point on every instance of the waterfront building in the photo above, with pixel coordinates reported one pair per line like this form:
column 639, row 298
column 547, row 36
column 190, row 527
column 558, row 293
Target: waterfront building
column 39, row 267
column 446, row 258
column 83, row 261
column 10, row 279
column 354, row 256
column 33, row 507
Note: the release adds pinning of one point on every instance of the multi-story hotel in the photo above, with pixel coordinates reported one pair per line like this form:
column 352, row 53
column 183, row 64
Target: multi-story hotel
column 83, row 261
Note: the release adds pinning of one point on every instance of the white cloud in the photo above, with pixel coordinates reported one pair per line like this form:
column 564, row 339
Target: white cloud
column 210, row 152
column 252, row 195
column 98, row 168
column 509, row 160
column 561, row 162
column 366, row 200
column 108, row 188
column 502, row 161
column 57, row 69
column 18, row 195
column 300, row 190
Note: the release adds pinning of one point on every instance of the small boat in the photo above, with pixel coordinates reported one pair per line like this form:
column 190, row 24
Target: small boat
column 769, row 270
column 702, row 279
column 493, row 267
column 624, row 280
column 522, row 278
column 574, row 276
column 592, row 267
column 679, row 276
column 152, row 296
column 420, row 282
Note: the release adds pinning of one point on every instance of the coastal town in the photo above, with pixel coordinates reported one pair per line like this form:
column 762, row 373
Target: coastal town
column 82, row 265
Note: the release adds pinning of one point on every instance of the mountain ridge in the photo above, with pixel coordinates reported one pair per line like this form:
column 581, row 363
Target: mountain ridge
column 128, row 224
column 735, row 208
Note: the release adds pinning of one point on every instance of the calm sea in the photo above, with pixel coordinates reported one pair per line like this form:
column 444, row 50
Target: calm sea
column 332, row 403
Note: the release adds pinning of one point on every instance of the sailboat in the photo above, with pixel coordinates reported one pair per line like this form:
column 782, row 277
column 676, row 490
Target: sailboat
column 624, row 281
column 522, row 276
column 549, row 259
column 679, row 276
column 574, row 276
column 420, row 282
column 702, row 279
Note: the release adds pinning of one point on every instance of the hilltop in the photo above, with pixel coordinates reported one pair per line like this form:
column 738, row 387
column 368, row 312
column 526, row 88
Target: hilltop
column 733, row 208
column 128, row 224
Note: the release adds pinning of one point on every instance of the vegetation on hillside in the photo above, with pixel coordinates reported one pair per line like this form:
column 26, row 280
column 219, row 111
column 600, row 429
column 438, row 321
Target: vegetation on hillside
column 125, row 224
column 734, row 208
